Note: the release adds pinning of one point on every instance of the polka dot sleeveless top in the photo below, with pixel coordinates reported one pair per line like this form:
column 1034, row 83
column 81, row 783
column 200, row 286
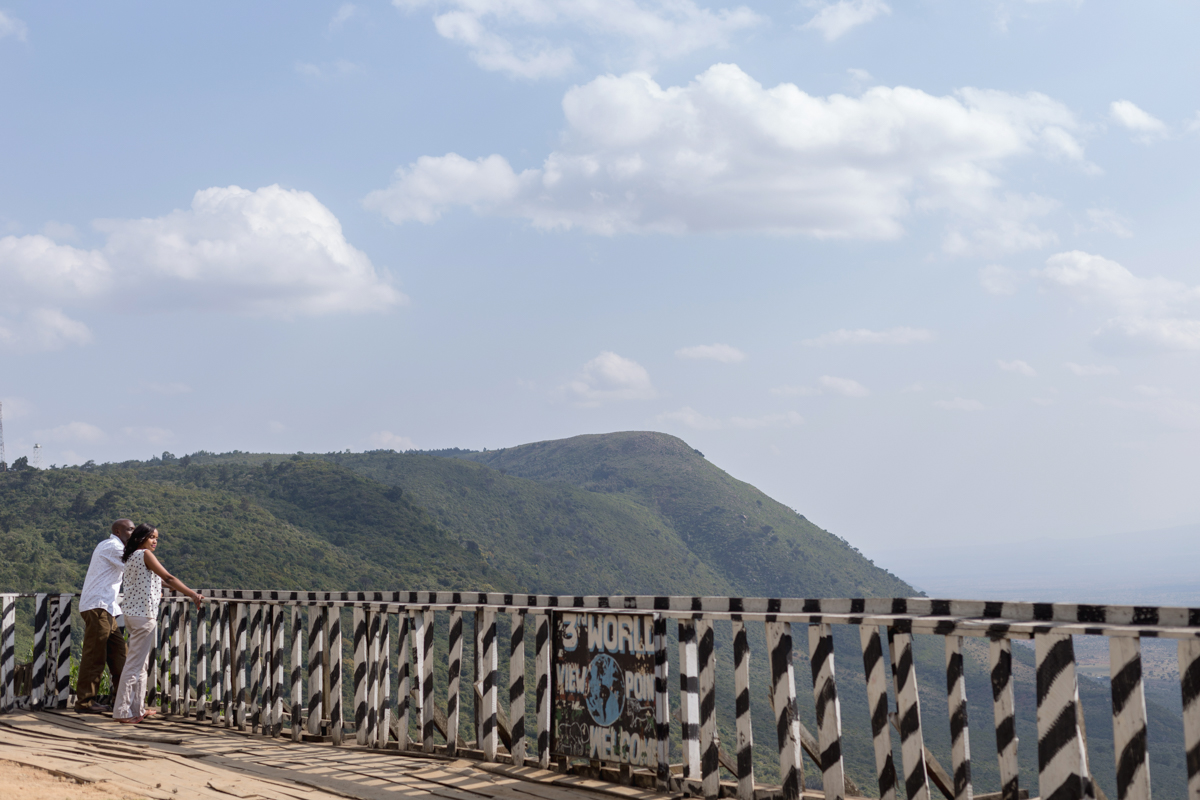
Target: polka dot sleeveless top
column 142, row 588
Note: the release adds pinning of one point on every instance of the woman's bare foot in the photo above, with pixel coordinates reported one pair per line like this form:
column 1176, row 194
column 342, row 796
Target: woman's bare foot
column 132, row 720
column 150, row 712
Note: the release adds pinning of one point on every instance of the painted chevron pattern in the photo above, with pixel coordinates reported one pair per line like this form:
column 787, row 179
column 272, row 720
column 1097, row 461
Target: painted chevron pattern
column 542, row 689
column 783, row 700
column 1062, row 761
column 318, row 619
column 689, row 702
column 516, row 687
column 1129, row 718
column 956, row 706
column 296, row 681
column 662, row 709
column 745, row 730
column 360, row 675
column 875, row 669
column 8, row 652
column 1189, row 675
column 912, row 745
column 709, row 757
column 41, row 631
column 62, row 649
column 490, row 679
column 829, row 714
column 454, row 647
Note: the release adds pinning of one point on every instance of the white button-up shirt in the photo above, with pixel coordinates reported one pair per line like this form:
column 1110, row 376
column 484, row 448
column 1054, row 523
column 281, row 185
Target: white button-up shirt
column 103, row 581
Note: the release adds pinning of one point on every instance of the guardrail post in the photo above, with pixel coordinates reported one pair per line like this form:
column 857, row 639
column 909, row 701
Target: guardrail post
column 359, row 620
column 454, row 649
column 489, row 677
column 1062, row 759
column 373, row 678
column 745, row 729
column 277, row 626
column 662, row 697
column 318, row 619
column 689, row 699
column 385, row 678
column 956, row 705
column 185, row 678
column 425, row 670
column 1189, row 680
column 875, row 669
column 296, row 694
column 403, row 700
column 334, row 637
column 829, row 712
column 783, row 702
column 176, row 635
column 1129, row 718
column 8, row 652
column 63, row 648
column 516, row 688
column 710, row 763
column 256, row 673
column 908, row 712
column 239, row 664
column 41, row 631
column 202, row 647
column 542, row 676
column 1004, row 710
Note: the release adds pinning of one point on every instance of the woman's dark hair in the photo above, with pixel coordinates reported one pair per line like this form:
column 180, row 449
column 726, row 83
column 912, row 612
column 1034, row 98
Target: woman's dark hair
column 136, row 539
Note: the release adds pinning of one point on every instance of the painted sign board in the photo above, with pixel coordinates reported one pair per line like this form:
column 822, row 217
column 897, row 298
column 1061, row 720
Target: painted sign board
column 604, row 687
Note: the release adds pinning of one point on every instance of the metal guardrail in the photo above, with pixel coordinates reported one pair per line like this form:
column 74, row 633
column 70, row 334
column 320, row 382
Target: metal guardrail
column 236, row 649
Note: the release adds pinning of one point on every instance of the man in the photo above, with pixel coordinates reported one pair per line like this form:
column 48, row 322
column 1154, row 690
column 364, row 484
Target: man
column 102, row 639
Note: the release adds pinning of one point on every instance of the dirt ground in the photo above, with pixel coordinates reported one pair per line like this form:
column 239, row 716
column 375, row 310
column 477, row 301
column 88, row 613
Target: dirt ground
column 27, row 783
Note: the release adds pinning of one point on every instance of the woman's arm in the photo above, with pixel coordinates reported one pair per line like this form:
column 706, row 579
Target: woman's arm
column 169, row 580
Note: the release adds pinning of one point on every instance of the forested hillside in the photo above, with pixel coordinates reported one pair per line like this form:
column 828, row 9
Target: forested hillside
column 635, row 512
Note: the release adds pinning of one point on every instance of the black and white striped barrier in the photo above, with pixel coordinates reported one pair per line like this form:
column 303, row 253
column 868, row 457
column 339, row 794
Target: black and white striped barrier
column 237, row 647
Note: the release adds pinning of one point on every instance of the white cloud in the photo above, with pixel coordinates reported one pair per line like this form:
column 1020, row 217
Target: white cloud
column 538, row 38
column 328, row 70
column 1193, row 124
column 344, row 12
column 724, row 153
column 826, row 384
column 272, row 252
column 788, row 419
column 1106, row 220
column 694, row 419
column 843, row 386
column 865, row 336
column 1135, row 119
column 1017, row 366
column 73, row 432
column 59, row 230
column 609, row 376
column 724, row 353
column 835, row 19
column 11, row 26
column 42, row 329
column 999, row 280
column 691, row 418
column 1156, row 313
column 860, row 75
column 959, row 404
column 149, row 434
column 1091, row 370
column 387, row 440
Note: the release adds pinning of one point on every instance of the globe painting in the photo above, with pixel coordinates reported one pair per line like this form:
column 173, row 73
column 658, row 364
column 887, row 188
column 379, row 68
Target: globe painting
column 606, row 690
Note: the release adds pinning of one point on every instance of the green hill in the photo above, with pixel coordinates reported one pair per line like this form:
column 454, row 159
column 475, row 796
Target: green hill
column 621, row 513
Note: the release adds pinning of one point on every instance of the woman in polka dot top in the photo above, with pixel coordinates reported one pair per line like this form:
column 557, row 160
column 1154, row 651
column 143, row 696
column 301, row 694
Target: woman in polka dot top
column 144, row 578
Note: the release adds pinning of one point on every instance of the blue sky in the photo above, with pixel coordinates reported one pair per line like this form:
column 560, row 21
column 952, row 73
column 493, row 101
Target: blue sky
column 924, row 271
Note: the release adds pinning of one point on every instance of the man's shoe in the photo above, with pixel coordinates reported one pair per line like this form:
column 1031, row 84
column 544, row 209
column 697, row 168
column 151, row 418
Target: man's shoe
column 93, row 708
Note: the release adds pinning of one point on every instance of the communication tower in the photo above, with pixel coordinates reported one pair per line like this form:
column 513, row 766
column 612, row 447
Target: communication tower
column 36, row 461
column 3, row 462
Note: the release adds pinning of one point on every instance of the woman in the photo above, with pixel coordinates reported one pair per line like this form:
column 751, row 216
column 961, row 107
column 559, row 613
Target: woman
column 144, row 578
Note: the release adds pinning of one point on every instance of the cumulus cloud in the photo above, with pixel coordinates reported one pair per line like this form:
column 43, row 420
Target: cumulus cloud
column 11, row 26
column 1155, row 313
column 1106, row 220
column 865, row 336
column 272, row 252
column 724, row 353
column 826, row 384
column 344, row 12
column 724, row 153
column 694, row 419
column 1146, row 127
column 1017, row 366
column 836, row 19
column 73, row 432
column 386, row 440
column 999, row 280
column 537, row 38
column 609, row 376
column 1090, row 370
column 959, row 404
column 691, row 418
column 149, row 434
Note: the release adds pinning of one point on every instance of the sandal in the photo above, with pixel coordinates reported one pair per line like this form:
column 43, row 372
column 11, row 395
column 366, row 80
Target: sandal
column 150, row 712
column 132, row 720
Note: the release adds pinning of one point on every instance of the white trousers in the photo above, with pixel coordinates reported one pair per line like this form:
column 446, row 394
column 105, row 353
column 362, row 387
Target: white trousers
column 131, row 694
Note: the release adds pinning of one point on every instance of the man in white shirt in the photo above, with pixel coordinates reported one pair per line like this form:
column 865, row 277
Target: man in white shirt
column 103, row 642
